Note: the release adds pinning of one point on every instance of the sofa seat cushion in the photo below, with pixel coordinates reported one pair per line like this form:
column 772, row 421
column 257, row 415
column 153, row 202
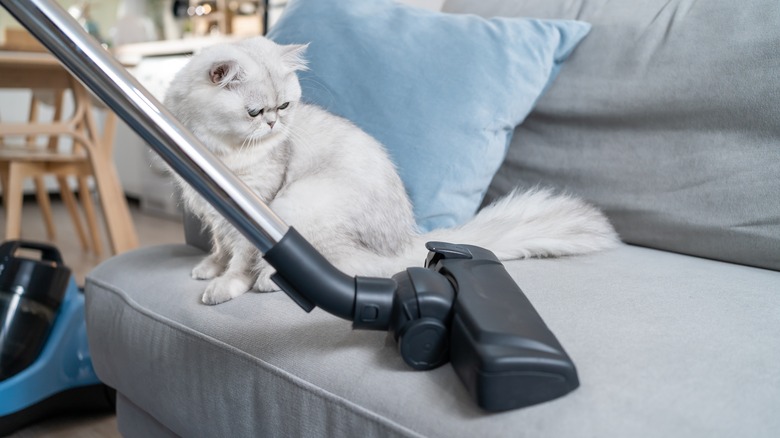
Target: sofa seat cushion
column 665, row 345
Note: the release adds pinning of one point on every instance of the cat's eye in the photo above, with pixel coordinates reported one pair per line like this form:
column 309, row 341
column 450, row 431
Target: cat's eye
column 284, row 105
column 254, row 112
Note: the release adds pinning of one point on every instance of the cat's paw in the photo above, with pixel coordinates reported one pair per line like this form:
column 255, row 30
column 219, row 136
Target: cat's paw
column 264, row 282
column 207, row 269
column 226, row 288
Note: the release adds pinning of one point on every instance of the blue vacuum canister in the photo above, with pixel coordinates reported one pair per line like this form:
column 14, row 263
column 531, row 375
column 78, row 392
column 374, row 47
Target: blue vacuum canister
column 45, row 365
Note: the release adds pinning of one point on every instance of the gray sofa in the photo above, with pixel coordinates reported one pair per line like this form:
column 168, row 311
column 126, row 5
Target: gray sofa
column 668, row 117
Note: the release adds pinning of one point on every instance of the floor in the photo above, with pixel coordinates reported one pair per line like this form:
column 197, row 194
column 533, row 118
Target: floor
column 151, row 230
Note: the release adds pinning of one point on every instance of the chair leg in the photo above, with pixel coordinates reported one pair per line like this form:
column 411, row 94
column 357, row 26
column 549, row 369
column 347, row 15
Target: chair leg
column 42, row 195
column 13, row 193
column 4, row 183
column 89, row 210
column 70, row 203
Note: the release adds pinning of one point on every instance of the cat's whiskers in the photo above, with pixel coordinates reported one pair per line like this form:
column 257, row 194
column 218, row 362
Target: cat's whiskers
column 251, row 141
column 295, row 136
column 244, row 143
column 320, row 84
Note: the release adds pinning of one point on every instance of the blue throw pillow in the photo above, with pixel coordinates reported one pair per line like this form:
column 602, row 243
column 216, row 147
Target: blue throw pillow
column 442, row 92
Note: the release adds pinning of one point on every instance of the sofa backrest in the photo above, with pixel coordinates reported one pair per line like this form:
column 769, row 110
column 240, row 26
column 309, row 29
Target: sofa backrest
column 667, row 116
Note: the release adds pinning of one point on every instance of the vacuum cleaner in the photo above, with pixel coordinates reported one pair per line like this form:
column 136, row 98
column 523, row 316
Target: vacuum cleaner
column 45, row 366
column 462, row 307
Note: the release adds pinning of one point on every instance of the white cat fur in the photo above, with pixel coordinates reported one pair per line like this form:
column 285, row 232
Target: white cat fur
column 332, row 182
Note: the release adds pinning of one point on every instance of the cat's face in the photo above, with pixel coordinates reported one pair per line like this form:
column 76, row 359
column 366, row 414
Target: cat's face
column 240, row 95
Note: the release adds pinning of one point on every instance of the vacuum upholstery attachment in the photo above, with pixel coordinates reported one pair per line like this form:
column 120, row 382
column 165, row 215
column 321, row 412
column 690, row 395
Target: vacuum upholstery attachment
column 462, row 307
column 499, row 345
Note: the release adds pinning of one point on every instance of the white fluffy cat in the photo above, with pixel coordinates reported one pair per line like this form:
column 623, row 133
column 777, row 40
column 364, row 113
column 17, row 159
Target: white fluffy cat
column 332, row 182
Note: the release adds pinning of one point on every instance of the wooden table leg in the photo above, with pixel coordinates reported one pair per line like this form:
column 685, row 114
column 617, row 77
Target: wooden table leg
column 119, row 223
column 121, row 231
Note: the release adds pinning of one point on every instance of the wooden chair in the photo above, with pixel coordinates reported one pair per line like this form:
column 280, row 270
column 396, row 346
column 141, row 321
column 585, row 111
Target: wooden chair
column 33, row 161
column 90, row 158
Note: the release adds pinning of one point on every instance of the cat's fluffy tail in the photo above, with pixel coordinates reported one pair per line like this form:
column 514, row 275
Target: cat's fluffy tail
column 524, row 224
column 534, row 223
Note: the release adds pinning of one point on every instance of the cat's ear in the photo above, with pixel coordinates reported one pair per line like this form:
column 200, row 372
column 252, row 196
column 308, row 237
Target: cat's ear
column 223, row 73
column 293, row 55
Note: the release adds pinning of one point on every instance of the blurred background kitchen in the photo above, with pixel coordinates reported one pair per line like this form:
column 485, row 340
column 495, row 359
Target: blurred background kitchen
column 152, row 38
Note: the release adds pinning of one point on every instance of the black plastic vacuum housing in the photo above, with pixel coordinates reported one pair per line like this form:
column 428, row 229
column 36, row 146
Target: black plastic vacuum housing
column 31, row 292
column 461, row 307
column 45, row 365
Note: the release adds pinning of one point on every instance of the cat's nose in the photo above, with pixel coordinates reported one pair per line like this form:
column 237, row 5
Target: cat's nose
column 271, row 123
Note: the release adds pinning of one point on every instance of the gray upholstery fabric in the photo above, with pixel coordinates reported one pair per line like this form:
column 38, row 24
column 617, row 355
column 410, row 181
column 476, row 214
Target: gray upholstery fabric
column 666, row 345
column 134, row 421
column 667, row 116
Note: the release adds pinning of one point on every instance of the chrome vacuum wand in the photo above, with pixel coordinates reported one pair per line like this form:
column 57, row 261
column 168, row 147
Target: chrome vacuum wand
column 461, row 307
